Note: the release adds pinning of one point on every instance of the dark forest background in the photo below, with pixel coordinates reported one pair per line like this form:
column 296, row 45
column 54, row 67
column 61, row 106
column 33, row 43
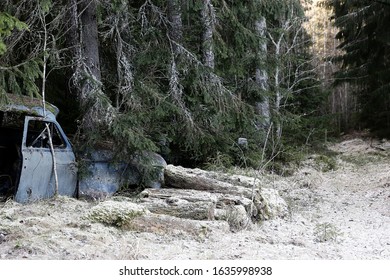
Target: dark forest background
column 205, row 81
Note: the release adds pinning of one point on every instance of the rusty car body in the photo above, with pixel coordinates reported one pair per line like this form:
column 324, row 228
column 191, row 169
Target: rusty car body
column 26, row 156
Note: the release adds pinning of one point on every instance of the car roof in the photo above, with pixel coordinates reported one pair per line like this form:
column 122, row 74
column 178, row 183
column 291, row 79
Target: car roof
column 28, row 105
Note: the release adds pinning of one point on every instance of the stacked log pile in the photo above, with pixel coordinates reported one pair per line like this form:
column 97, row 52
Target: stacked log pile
column 196, row 194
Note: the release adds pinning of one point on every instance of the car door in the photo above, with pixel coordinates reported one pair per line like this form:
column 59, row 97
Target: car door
column 37, row 173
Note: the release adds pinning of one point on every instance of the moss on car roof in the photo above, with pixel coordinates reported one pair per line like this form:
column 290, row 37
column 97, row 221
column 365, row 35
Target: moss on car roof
column 23, row 103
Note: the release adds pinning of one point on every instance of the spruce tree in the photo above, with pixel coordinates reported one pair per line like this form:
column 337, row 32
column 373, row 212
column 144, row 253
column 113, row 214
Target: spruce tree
column 365, row 39
column 184, row 78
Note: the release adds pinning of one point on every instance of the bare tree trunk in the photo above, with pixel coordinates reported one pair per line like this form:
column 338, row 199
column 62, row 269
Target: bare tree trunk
column 56, row 185
column 89, row 38
column 124, row 54
column 208, row 21
column 278, row 99
column 277, row 81
column 176, row 36
column 91, row 80
column 325, row 49
column 97, row 107
column 176, row 25
column 261, row 74
column 44, row 102
column 73, row 43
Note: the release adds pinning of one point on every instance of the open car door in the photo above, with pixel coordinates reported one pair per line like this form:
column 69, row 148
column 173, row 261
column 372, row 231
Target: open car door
column 37, row 180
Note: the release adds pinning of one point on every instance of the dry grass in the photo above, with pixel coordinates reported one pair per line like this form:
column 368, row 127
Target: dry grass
column 67, row 228
column 353, row 200
column 60, row 229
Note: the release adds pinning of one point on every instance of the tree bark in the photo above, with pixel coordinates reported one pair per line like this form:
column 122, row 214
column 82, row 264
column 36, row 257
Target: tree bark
column 89, row 38
column 165, row 224
column 200, row 205
column 73, row 43
column 277, row 80
column 83, row 40
column 175, row 24
column 208, row 22
column 182, row 178
column 91, row 75
column 97, row 107
column 187, row 205
column 260, row 203
column 262, row 107
column 121, row 33
column 203, row 204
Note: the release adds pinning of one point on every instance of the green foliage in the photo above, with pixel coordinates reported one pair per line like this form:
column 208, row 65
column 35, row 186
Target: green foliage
column 364, row 159
column 365, row 59
column 327, row 232
column 46, row 5
column 169, row 101
column 3, row 48
column 304, row 120
column 21, row 65
column 7, row 24
column 21, row 79
column 219, row 162
column 200, row 113
column 128, row 132
column 326, row 163
column 176, row 98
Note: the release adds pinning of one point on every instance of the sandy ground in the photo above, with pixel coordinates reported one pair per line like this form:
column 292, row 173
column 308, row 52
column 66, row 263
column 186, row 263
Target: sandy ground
column 338, row 214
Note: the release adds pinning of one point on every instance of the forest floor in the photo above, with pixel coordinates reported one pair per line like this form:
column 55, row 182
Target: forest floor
column 339, row 208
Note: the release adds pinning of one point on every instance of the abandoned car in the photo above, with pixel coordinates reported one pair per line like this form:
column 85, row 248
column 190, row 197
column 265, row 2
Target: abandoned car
column 27, row 172
column 29, row 161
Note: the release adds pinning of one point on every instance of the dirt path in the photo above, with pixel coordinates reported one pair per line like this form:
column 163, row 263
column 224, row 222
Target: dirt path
column 340, row 214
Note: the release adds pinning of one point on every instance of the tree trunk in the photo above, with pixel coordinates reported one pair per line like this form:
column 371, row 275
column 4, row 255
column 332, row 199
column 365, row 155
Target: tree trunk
column 124, row 54
column 175, row 24
column 89, row 39
column 176, row 37
column 278, row 98
column 97, row 107
column 83, row 40
column 208, row 22
column 73, row 43
column 277, row 83
column 261, row 74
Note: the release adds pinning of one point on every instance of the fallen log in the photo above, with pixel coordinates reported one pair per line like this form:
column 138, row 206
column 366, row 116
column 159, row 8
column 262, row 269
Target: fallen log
column 189, row 204
column 199, row 205
column 127, row 215
column 196, row 179
column 166, row 224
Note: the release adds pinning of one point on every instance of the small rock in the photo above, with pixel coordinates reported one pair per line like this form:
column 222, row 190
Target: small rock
column 3, row 237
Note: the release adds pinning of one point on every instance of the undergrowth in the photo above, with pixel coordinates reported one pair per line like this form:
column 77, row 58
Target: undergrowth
column 363, row 159
column 326, row 232
column 115, row 214
column 285, row 162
